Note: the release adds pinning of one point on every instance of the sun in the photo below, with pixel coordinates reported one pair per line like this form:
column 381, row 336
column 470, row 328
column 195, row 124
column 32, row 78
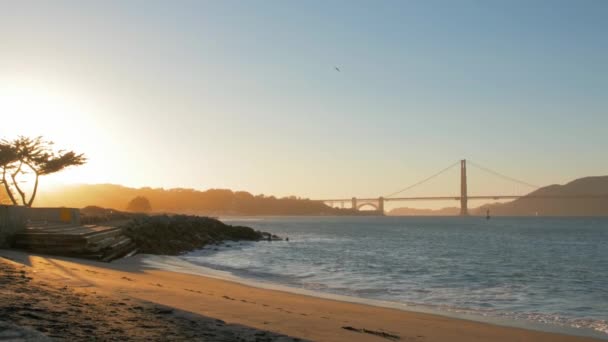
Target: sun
column 59, row 115
column 33, row 110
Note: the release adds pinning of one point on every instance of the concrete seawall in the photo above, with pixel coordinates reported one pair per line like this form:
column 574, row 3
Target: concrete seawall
column 14, row 219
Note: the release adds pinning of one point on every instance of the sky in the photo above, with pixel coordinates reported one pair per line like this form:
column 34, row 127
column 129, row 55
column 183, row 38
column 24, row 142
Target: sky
column 245, row 95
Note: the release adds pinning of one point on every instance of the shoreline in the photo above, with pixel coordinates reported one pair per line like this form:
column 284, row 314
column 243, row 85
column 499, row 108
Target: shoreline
column 178, row 265
column 274, row 310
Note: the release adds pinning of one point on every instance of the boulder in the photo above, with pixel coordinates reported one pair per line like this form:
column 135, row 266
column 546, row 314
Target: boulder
column 174, row 235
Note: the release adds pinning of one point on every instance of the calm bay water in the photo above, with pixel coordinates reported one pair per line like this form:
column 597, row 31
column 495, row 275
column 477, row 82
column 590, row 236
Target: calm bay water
column 543, row 270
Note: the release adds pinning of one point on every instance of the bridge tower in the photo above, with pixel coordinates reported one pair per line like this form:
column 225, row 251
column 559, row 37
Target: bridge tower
column 381, row 205
column 354, row 204
column 464, row 210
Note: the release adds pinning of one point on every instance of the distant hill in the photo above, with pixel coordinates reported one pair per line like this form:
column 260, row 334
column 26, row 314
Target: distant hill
column 556, row 206
column 537, row 206
column 213, row 202
column 226, row 202
column 404, row 211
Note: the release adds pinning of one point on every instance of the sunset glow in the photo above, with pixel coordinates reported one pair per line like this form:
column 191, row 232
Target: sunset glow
column 282, row 170
column 173, row 99
column 48, row 110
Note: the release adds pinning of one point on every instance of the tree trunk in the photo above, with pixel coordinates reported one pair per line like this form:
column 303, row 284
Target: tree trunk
column 16, row 185
column 29, row 204
column 7, row 188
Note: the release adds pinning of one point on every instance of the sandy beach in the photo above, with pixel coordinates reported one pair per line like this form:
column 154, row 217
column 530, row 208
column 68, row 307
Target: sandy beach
column 85, row 299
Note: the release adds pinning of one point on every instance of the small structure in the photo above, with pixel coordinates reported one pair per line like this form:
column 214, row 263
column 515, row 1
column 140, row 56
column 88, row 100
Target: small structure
column 12, row 220
column 59, row 231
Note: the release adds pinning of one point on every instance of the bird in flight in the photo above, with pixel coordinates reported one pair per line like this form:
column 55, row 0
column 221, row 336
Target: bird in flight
column 337, row 69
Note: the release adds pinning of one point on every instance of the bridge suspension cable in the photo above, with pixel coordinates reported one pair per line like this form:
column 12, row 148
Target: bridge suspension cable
column 498, row 174
column 422, row 181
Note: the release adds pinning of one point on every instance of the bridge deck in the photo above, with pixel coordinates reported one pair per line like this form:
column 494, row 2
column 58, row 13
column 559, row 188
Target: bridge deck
column 457, row 198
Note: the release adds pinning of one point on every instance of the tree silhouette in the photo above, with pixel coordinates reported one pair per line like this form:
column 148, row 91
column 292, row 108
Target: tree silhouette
column 31, row 155
column 8, row 158
column 139, row 204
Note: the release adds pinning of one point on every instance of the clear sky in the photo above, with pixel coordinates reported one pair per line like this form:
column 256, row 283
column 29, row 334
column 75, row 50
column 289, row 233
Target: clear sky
column 244, row 94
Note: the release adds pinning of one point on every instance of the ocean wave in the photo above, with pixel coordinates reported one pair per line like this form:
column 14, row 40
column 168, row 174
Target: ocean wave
column 508, row 272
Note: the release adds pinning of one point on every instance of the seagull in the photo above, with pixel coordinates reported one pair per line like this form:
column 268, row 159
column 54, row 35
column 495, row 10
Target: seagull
column 337, row 69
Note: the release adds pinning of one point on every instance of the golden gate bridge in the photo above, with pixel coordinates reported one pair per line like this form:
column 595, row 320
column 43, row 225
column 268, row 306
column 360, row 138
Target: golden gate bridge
column 378, row 203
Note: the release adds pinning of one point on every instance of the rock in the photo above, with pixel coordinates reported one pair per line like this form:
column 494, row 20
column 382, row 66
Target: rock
column 173, row 235
column 270, row 237
column 163, row 311
column 11, row 332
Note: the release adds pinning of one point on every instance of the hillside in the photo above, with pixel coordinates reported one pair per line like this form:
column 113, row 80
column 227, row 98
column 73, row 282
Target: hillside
column 556, row 206
column 227, row 202
column 537, row 206
column 183, row 201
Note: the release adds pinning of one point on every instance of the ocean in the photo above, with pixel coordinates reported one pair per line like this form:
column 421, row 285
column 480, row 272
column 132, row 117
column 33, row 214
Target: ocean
column 541, row 273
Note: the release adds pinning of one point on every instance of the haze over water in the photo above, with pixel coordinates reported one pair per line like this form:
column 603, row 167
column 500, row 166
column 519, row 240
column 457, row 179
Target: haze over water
column 537, row 270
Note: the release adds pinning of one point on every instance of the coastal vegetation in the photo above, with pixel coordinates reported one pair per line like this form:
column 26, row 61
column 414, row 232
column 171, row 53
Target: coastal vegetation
column 25, row 156
column 213, row 202
column 139, row 204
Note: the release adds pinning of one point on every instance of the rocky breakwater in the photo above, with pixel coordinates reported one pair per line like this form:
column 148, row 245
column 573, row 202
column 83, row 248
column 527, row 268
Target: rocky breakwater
column 174, row 235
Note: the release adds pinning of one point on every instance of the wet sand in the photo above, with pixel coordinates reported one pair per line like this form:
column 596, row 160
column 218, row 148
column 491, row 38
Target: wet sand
column 84, row 299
